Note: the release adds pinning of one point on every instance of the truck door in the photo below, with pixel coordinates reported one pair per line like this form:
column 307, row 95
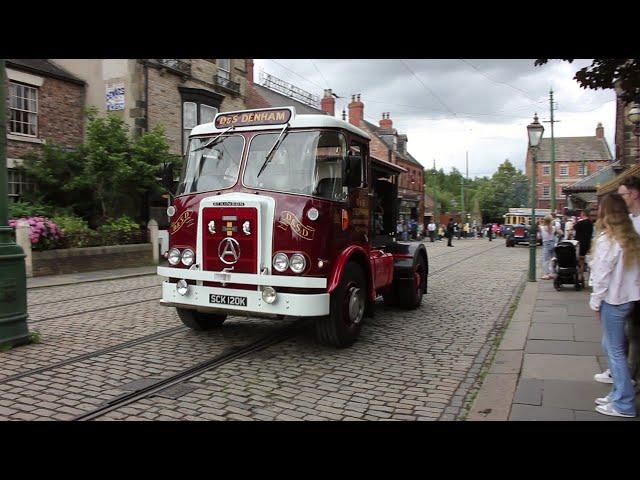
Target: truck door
column 359, row 199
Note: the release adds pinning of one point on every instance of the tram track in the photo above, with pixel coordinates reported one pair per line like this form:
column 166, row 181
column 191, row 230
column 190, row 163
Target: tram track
column 91, row 310
column 95, row 295
column 227, row 356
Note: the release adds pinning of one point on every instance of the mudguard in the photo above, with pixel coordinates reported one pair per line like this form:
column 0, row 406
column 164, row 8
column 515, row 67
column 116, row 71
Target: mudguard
column 405, row 256
column 346, row 255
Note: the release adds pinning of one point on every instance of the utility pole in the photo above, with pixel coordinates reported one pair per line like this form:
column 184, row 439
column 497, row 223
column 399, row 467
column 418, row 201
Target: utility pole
column 552, row 107
column 13, row 275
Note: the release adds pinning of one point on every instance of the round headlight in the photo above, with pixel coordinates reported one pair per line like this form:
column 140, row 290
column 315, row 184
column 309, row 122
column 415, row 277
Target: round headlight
column 174, row 256
column 298, row 263
column 182, row 286
column 269, row 294
column 280, row 262
column 171, row 211
column 188, row 257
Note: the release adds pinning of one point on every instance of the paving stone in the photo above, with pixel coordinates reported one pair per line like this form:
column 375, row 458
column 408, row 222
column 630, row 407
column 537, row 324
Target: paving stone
column 507, row 361
column 534, row 413
column 529, row 391
column 548, row 331
column 587, row 333
column 572, row 395
column 559, row 367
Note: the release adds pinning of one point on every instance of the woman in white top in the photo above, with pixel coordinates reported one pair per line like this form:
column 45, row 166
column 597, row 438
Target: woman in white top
column 615, row 278
column 548, row 234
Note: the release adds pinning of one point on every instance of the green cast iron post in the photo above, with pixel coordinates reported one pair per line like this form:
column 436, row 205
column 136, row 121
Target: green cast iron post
column 13, row 278
column 533, row 232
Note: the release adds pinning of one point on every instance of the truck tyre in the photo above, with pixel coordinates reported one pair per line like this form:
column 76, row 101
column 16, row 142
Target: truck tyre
column 200, row 321
column 410, row 292
column 342, row 326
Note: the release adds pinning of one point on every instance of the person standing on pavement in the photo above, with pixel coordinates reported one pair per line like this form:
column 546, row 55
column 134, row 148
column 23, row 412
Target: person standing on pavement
column 449, row 234
column 615, row 277
column 548, row 235
column 431, row 228
column 583, row 234
column 490, row 232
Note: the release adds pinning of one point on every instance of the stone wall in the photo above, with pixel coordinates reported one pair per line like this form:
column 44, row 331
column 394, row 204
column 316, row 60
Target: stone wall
column 74, row 260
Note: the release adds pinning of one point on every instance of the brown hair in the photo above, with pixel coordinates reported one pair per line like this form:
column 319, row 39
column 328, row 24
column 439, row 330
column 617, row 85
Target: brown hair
column 546, row 222
column 630, row 183
column 614, row 220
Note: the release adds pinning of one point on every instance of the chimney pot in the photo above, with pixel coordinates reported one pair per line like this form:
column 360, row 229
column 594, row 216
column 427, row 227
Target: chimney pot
column 328, row 103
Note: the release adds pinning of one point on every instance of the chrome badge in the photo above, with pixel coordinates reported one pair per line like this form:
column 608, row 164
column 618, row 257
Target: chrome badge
column 246, row 228
column 212, row 227
column 229, row 251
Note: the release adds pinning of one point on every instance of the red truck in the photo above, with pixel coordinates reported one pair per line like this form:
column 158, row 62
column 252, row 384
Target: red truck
column 278, row 215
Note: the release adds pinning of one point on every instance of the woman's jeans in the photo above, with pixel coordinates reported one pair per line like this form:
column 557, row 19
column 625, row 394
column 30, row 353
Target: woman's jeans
column 613, row 318
column 547, row 255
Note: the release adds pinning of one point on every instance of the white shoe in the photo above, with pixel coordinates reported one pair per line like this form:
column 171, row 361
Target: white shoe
column 609, row 410
column 603, row 400
column 604, row 377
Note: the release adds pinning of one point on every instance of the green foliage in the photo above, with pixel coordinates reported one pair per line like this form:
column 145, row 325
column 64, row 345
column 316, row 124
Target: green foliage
column 35, row 336
column 26, row 209
column 71, row 224
column 110, row 175
column 123, row 224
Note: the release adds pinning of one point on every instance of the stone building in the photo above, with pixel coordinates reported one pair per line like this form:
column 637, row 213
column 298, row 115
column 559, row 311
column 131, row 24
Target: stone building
column 44, row 105
column 176, row 93
column 575, row 159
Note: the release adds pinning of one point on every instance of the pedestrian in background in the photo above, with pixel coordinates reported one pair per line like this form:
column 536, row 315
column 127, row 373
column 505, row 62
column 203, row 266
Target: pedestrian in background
column 583, row 234
column 615, row 278
column 548, row 234
column 490, row 232
column 431, row 228
column 450, row 231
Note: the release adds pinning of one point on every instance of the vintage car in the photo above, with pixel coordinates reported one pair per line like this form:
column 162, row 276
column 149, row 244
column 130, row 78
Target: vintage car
column 519, row 234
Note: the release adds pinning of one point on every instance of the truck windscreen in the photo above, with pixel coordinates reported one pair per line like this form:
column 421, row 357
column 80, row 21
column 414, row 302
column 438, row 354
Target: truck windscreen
column 308, row 163
column 213, row 167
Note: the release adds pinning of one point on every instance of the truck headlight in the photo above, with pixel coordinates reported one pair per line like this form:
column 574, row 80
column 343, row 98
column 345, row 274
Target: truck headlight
column 297, row 263
column 280, row 262
column 182, row 286
column 188, row 257
column 269, row 294
column 174, row 256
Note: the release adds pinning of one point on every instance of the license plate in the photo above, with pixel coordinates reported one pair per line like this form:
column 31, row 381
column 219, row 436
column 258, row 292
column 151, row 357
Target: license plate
column 228, row 300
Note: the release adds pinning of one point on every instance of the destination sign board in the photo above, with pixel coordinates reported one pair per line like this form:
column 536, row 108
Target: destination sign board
column 254, row 117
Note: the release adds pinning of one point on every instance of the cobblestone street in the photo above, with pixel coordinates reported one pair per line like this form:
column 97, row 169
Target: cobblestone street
column 103, row 339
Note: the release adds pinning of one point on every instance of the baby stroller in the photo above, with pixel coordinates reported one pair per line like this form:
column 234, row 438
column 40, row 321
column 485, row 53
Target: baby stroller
column 566, row 264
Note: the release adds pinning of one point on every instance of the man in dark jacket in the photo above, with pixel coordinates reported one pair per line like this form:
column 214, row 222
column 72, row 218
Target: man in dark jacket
column 583, row 233
column 449, row 232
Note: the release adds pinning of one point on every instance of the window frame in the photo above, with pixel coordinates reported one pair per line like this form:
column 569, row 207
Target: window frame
column 10, row 108
column 566, row 170
column 199, row 105
column 227, row 74
column 546, row 170
column 22, row 184
column 548, row 190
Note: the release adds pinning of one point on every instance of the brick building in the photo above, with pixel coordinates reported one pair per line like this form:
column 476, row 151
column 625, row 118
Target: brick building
column 575, row 159
column 45, row 105
column 388, row 145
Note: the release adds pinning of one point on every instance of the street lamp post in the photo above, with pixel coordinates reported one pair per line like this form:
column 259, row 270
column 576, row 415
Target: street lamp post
column 634, row 117
column 13, row 278
column 535, row 131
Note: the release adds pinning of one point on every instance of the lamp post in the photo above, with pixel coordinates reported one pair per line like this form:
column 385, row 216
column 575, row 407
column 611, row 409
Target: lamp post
column 13, row 277
column 634, row 117
column 535, row 131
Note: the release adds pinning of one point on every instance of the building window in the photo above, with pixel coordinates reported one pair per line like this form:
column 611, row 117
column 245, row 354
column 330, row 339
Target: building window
column 224, row 68
column 17, row 184
column 194, row 114
column 546, row 170
column 564, row 170
column 23, row 108
column 583, row 169
column 545, row 190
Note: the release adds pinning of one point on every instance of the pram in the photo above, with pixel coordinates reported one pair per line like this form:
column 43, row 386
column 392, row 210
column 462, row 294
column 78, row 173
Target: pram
column 565, row 264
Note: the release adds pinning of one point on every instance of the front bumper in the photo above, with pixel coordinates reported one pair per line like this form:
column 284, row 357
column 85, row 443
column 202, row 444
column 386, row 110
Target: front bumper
column 289, row 304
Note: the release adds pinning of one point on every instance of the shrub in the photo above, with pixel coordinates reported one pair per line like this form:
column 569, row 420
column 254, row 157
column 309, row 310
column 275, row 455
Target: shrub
column 121, row 230
column 26, row 209
column 43, row 232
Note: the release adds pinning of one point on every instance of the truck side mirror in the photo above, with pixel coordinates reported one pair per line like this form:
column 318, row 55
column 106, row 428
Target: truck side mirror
column 167, row 176
column 352, row 171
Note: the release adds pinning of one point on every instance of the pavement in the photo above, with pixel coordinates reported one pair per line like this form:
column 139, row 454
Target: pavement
column 544, row 366
column 67, row 279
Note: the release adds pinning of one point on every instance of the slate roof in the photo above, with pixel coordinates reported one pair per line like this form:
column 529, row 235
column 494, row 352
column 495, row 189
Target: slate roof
column 276, row 99
column 590, row 182
column 570, row 149
column 387, row 138
column 43, row 67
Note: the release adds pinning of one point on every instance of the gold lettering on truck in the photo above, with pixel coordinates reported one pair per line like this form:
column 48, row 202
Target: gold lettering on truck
column 288, row 219
column 184, row 219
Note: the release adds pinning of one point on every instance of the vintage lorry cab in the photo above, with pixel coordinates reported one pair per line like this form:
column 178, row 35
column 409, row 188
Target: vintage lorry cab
column 278, row 214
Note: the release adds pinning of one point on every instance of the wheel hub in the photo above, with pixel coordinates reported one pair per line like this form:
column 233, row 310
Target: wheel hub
column 355, row 307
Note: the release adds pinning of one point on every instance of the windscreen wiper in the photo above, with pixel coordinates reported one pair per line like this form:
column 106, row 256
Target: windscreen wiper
column 213, row 141
column 273, row 149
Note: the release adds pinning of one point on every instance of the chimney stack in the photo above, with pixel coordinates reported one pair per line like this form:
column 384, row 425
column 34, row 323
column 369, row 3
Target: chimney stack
column 385, row 122
column 328, row 103
column 249, row 68
column 599, row 131
column 356, row 110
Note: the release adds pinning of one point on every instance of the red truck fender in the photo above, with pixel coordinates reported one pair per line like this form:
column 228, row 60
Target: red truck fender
column 361, row 257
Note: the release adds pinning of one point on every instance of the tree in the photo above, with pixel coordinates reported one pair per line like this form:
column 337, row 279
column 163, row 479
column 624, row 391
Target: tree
column 605, row 73
column 508, row 187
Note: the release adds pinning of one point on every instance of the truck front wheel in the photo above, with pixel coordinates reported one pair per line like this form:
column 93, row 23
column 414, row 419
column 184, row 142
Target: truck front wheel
column 342, row 326
column 200, row 321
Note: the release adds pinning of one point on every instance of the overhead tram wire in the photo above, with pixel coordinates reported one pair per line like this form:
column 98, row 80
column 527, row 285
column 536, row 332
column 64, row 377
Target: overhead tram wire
column 318, row 70
column 295, row 73
column 526, row 94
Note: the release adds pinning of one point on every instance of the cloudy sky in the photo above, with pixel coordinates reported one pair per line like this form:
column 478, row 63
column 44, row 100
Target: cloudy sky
column 450, row 106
